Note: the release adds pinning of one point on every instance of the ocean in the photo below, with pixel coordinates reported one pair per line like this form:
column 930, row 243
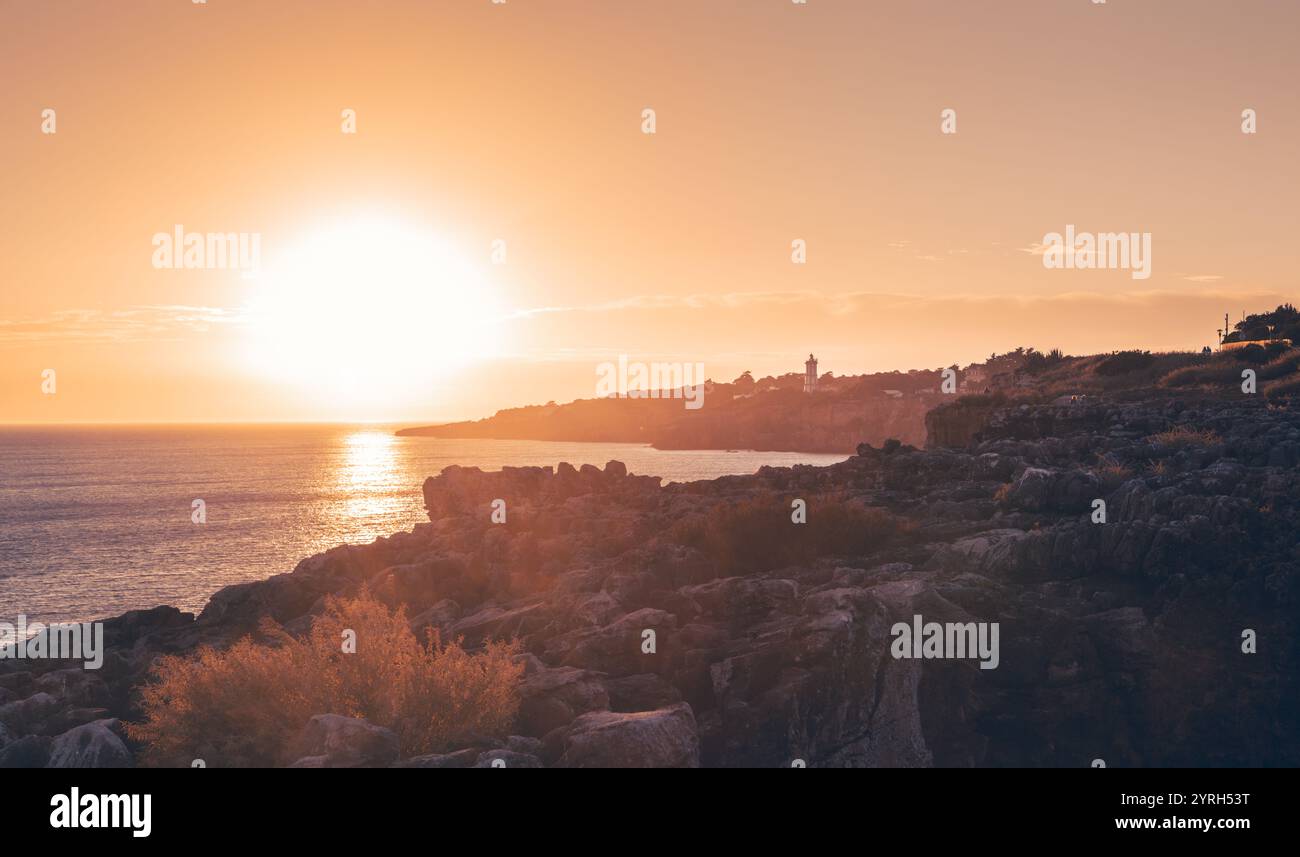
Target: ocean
column 95, row 521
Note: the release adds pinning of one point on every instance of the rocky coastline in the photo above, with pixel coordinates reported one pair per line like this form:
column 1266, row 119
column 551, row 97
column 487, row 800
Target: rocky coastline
column 1121, row 640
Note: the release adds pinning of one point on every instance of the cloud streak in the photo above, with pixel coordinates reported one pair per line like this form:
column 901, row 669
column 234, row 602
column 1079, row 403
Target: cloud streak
column 132, row 324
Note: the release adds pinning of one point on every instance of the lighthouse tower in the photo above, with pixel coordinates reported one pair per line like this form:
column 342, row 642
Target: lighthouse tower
column 810, row 375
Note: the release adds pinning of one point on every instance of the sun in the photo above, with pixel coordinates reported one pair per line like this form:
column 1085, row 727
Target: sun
column 371, row 313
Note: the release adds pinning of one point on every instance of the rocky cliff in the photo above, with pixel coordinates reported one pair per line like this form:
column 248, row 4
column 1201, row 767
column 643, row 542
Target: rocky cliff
column 835, row 420
column 699, row 624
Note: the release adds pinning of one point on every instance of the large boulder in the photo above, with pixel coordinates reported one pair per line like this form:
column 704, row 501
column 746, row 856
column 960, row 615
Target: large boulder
column 93, row 745
column 504, row 758
column 75, row 686
column 552, row 697
column 1039, row 490
column 335, row 741
column 30, row 751
column 664, row 738
column 30, row 714
column 239, row 608
column 459, row 759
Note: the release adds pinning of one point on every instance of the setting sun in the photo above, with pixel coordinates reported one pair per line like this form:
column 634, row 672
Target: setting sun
column 369, row 310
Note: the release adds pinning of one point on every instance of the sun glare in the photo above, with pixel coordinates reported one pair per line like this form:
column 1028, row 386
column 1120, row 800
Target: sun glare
column 371, row 313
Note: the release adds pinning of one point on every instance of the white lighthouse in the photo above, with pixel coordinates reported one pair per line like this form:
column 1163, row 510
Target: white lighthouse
column 810, row 375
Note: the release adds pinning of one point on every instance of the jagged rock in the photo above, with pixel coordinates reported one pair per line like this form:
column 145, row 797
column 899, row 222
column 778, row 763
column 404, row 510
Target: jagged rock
column 459, row 759
column 19, row 684
column 664, row 738
column 507, row 759
column 1038, row 489
column 737, row 597
column 418, row 585
column 93, row 745
column 552, row 697
column 643, row 692
column 497, row 623
column 440, row 616
column 617, row 647
column 68, row 718
column 75, row 686
column 334, row 741
column 28, row 715
column 29, row 751
column 238, row 609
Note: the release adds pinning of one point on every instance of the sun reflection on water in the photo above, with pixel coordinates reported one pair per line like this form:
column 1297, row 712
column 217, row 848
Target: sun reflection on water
column 368, row 470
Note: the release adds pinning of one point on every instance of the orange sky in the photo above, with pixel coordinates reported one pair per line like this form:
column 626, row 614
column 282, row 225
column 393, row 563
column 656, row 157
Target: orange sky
column 522, row 122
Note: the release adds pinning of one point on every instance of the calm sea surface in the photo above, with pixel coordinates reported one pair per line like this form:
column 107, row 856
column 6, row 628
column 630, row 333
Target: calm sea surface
column 96, row 521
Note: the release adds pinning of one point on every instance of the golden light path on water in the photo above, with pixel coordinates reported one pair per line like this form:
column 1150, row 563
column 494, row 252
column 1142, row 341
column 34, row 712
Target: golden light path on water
column 368, row 470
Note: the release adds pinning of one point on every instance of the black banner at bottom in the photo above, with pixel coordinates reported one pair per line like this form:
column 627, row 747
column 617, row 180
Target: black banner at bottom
column 139, row 808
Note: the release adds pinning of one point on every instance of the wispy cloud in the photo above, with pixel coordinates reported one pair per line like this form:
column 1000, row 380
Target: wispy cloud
column 133, row 324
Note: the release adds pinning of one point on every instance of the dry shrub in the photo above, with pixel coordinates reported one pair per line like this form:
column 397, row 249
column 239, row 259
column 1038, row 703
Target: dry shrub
column 1281, row 366
column 1220, row 370
column 1182, row 436
column 1112, row 473
column 757, row 534
column 1124, row 362
column 241, row 706
column 1283, row 389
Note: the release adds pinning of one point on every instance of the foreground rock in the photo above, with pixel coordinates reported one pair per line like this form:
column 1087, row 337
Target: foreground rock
column 334, row 741
column 94, row 745
column 666, row 738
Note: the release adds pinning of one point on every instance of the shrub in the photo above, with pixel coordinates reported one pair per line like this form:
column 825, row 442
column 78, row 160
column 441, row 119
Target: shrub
column 1112, row 473
column 1036, row 362
column 1281, row 366
column 1249, row 354
column 1183, row 436
column 1283, row 389
column 241, row 706
column 1123, row 362
column 1218, row 371
column 757, row 534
